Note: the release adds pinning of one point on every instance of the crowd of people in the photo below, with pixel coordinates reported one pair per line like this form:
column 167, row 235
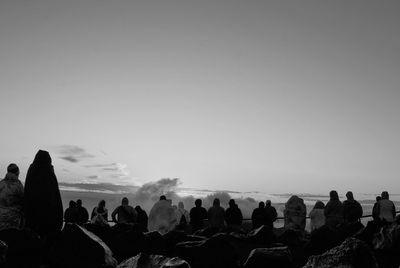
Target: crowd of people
column 38, row 206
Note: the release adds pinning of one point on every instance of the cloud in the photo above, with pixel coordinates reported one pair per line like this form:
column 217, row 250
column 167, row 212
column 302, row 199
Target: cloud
column 73, row 153
column 92, row 177
column 100, row 165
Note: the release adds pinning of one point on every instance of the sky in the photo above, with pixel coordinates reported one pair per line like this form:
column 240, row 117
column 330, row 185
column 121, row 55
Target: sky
column 272, row 96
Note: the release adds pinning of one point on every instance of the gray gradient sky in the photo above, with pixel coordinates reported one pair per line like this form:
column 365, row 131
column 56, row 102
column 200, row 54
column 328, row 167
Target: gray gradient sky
column 275, row 96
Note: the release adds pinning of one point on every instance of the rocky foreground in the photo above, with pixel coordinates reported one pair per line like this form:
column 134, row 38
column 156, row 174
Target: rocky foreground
column 126, row 246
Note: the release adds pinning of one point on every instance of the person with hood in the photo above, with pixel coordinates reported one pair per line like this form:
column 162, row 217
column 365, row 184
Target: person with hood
column 142, row 218
column 259, row 216
column 352, row 210
column 70, row 214
column 375, row 212
column 317, row 216
column 216, row 215
column 42, row 200
column 271, row 214
column 162, row 216
column 386, row 209
column 82, row 213
column 233, row 215
column 124, row 213
column 182, row 216
column 11, row 199
column 197, row 216
column 100, row 214
column 333, row 210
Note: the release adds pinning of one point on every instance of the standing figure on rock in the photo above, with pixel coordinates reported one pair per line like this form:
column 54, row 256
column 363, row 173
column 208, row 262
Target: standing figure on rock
column 100, row 214
column 82, row 213
column 317, row 216
column 271, row 214
column 216, row 215
column 182, row 216
column 70, row 214
column 42, row 201
column 197, row 216
column 333, row 210
column 124, row 213
column 386, row 209
column 295, row 213
column 375, row 212
column 233, row 215
column 11, row 199
column 259, row 216
column 162, row 216
column 142, row 218
column 352, row 210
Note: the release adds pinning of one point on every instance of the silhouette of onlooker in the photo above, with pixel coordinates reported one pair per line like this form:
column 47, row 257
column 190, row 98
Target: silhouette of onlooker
column 375, row 211
column 182, row 216
column 82, row 215
column 197, row 216
column 42, row 200
column 333, row 210
column 352, row 210
column 233, row 215
column 141, row 217
column 70, row 214
column 216, row 215
column 124, row 212
column 162, row 216
column 317, row 216
column 271, row 214
column 100, row 214
column 259, row 216
column 386, row 209
column 11, row 199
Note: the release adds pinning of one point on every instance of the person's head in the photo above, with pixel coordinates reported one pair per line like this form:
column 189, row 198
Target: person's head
column 216, row 202
column 125, row 201
column 349, row 196
column 232, row 203
column 102, row 204
column 261, row 205
column 333, row 195
column 378, row 198
column 79, row 203
column 385, row 195
column 181, row 205
column 13, row 168
column 72, row 204
column 198, row 202
column 267, row 203
column 42, row 158
column 163, row 197
column 138, row 208
column 319, row 205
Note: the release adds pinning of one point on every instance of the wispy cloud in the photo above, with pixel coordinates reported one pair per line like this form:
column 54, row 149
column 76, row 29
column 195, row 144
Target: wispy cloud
column 73, row 153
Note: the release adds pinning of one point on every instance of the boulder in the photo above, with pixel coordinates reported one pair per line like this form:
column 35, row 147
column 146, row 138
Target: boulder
column 262, row 235
column 352, row 253
column 155, row 243
column 144, row 260
column 323, row 239
column 277, row 257
column 78, row 247
column 3, row 252
column 295, row 213
column 126, row 243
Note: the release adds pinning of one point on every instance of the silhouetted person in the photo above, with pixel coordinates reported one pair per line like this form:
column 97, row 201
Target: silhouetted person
column 386, row 209
column 197, row 216
column 216, row 215
column 142, row 217
column 70, row 214
column 271, row 214
column 333, row 210
column 233, row 215
column 124, row 213
column 82, row 216
column 317, row 216
column 182, row 216
column 352, row 210
column 42, row 200
column 375, row 210
column 259, row 216
column 162, row 216
column 11, row 199
column 100, row 214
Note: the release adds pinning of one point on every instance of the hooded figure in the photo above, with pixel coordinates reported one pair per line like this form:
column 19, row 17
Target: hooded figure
column 11, row 199
column 42, row 202
column 352, row 210
column 333, row 210
column 233, row 214
column 216, row 215
column 317, row 216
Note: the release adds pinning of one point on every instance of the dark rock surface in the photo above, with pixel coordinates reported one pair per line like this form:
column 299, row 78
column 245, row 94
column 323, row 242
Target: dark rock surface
column 143, row 260
column 278, row 257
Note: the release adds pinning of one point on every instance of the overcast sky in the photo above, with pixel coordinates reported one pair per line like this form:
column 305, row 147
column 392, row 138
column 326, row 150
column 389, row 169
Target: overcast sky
column 274, row 96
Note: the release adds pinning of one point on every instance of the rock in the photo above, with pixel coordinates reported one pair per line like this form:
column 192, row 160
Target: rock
column 352, row 253
column 24, row 248
column 78, row 247
column 349, row 229
column 127, row 242
column 156, row 243
column 295, row 213
column 262, row 235
column 143, row 260
column 3, row 252
column 386, row 243
column 269, row 257
column 323, row 239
